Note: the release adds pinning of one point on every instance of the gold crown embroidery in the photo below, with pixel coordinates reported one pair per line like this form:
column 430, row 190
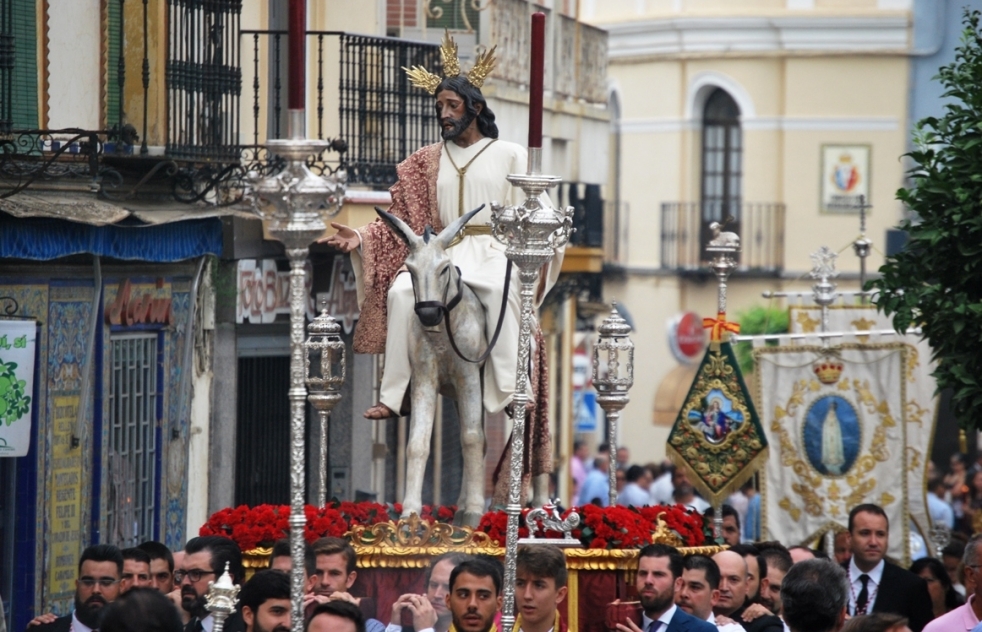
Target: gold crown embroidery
column 422, row 78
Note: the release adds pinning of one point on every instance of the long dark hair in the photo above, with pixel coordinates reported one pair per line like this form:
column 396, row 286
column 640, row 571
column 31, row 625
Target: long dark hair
column 951, row 597
column 471, row 96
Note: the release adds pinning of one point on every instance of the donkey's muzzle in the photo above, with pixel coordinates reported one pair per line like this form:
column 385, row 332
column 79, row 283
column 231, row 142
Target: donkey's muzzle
column 429, row 315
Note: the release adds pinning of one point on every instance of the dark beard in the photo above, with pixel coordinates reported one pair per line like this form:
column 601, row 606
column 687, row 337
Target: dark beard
column 193, row 604
column 88, row 615
column 459, row 125
column 256, row 627
column 657, row 604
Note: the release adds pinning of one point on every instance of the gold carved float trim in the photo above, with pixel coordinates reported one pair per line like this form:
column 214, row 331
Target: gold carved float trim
column 412, row 543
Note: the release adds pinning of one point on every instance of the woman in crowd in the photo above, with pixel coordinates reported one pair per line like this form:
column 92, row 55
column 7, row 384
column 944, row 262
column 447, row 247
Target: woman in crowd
column 944, row 597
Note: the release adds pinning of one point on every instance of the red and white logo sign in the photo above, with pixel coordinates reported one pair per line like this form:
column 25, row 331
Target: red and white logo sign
column 686, row 337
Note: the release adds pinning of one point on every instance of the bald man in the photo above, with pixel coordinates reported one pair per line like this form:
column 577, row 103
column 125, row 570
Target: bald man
column 733, row 594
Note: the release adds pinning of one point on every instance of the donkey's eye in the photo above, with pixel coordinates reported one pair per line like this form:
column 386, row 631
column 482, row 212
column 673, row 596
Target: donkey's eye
column 445, row 270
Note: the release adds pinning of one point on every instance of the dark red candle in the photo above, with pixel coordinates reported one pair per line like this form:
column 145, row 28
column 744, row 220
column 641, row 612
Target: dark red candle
column 535, row 78
column 297, row 39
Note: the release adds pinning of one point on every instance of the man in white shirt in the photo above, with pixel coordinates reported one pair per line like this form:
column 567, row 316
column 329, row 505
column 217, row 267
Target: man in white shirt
column 634, row 494
column 940, row 511
column 700, row 591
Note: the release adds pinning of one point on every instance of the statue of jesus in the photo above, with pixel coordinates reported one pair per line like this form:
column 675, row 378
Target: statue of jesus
column 436, row 185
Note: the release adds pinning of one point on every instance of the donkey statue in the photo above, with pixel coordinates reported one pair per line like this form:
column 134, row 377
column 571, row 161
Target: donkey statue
column 437, row 369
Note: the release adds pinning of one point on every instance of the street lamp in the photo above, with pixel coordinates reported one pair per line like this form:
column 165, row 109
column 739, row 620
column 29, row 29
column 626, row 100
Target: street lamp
column 614, row 381
column 324, row 374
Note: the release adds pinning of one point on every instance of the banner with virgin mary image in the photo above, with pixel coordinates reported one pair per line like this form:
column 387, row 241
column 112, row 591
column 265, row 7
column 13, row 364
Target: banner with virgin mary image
column 717, row 438
column 921, row 401
column 837, row 418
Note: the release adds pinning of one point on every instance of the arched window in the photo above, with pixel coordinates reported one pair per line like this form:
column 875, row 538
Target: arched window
column 722, row 146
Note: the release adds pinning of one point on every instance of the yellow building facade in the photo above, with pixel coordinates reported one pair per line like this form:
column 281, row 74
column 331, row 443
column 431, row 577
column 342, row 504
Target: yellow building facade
column 775, row 113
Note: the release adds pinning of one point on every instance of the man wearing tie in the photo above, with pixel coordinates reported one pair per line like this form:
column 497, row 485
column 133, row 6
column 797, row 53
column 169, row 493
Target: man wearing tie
column 659, row 577
column 875, row 584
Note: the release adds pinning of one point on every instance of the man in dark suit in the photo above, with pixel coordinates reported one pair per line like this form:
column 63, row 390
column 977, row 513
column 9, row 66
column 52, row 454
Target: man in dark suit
column 814, row 595
column 205, row 559
column 659, row 577
column 875, row 584
column 99, row 572
column 733, row 600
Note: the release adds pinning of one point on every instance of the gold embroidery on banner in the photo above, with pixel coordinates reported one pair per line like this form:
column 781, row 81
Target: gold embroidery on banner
column 808, row 324
column 862, row 324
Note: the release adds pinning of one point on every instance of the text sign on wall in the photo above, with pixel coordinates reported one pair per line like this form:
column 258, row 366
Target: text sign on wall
column 341, row 301
column 66, row 497
column 17, row 340
column 845, row 177
column 263, row 291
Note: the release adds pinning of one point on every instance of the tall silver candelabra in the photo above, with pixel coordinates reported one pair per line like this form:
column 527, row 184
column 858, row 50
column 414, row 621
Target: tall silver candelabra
column 614, row 382
column 532, row 232
column 295, row 204
column 324, row 373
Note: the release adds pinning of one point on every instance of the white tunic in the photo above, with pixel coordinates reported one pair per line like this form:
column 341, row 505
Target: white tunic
column 482, row 264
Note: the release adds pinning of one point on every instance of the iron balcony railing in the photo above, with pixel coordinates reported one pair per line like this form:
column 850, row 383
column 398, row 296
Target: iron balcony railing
column 686, row 229
column 381, row 118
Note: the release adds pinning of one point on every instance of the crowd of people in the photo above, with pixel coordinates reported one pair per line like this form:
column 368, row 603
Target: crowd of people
column 746, row 587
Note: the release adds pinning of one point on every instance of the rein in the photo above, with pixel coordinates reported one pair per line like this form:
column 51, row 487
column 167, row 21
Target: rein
column 446, row 307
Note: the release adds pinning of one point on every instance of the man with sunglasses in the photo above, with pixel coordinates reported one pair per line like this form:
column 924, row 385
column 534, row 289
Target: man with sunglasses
column 205, row 559
column 99, row 572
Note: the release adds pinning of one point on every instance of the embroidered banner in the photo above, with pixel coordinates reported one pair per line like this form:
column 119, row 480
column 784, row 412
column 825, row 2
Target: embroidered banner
column 717, row 437
column 838, row 419
column 17, row 340
column 921, row 402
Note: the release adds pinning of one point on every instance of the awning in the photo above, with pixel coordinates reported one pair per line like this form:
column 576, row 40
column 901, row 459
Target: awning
column 47, row 225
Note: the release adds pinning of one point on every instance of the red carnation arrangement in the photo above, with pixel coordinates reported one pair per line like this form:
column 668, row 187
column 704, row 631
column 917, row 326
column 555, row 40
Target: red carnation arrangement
column 262, row 525
column 613, row 527
column 600, row 527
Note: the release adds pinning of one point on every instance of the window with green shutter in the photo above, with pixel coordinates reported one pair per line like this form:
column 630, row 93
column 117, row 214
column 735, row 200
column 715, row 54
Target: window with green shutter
column 454, row 15
column 18, row 65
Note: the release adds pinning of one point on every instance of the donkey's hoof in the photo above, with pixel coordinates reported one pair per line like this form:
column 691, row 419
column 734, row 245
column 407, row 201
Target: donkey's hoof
column 467, row 519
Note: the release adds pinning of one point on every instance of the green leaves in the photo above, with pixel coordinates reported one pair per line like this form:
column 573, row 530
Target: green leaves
column 936, row 281
column 14, row 404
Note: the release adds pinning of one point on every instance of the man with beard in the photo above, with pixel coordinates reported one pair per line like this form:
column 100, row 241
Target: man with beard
column 205, row 559
column 700, row 591
column 475, row 595
column 659, row 577
column 99, row 571
column 733, row 600
column 437, row 582
column 438, row 184
column 265, row 602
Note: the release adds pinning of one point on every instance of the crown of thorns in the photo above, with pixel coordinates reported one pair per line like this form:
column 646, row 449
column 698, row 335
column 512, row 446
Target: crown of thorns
column 422, row 78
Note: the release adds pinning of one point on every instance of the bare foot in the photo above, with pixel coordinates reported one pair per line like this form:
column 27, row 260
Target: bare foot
column 380, row 411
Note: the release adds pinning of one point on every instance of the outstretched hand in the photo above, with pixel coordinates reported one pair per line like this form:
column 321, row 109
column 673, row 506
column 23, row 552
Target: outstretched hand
column 345, row 240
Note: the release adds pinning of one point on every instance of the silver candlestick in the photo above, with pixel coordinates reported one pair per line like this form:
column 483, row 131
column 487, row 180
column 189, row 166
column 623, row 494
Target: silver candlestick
column 723, row 246
column 295, row 204
column 220, row 599
column 823, row 290
column 532, row 232
column 614, row 382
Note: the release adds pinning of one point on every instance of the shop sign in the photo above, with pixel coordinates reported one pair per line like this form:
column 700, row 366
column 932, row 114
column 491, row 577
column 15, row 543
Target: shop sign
column 17, row 341
column 263, row 291
column 144, row 309
column 686, row 337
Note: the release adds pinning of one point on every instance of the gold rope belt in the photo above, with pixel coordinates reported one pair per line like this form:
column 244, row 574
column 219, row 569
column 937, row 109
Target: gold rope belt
column 470, row 231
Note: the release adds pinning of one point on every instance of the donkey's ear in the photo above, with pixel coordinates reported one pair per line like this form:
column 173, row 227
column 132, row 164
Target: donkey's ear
column 399, row 227
column 448, row 234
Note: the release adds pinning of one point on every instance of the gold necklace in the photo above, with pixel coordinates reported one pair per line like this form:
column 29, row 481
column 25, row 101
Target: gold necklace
column 461, row 172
